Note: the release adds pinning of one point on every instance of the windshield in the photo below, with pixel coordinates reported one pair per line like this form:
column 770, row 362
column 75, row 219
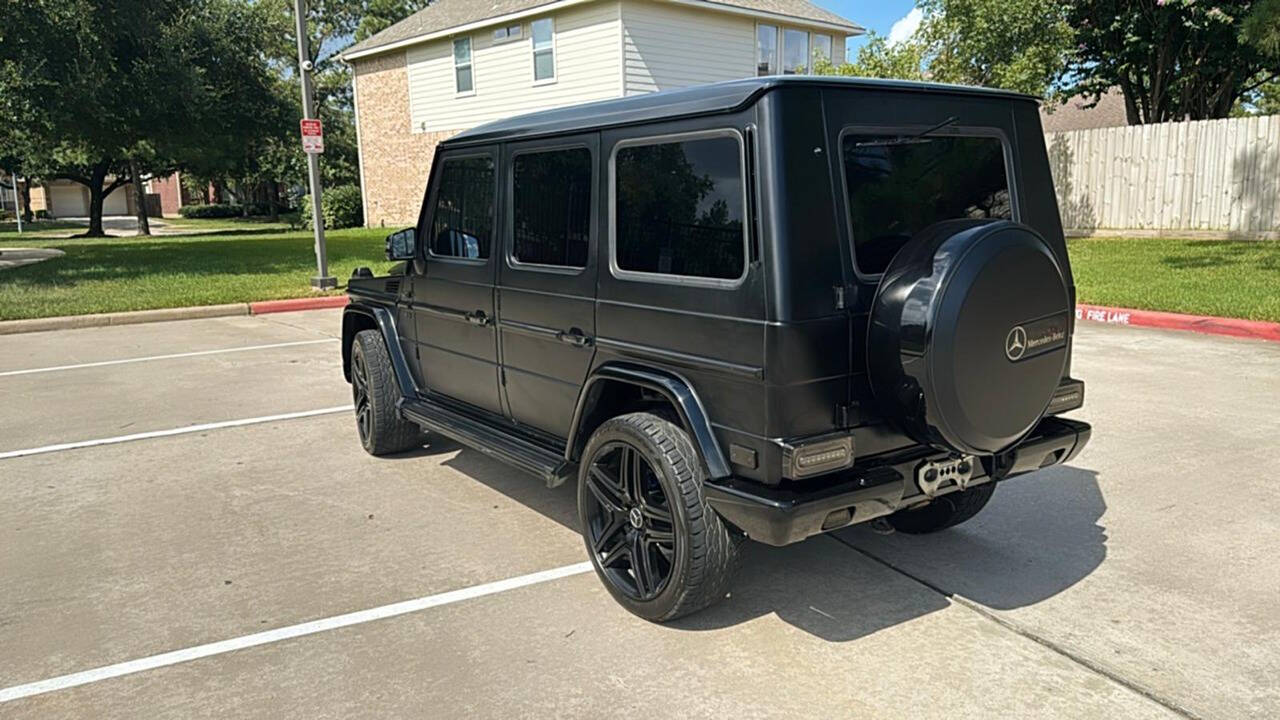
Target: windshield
column 898, row 185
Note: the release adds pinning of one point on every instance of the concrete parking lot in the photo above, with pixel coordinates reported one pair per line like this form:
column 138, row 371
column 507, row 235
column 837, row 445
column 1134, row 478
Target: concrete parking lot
column 239, row 555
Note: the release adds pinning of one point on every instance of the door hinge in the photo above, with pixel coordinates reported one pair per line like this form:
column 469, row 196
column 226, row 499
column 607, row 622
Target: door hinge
column 842, row 299
column 502, row 376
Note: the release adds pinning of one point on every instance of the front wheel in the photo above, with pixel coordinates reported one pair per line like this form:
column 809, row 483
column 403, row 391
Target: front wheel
column 374, row 393
column 660, row 550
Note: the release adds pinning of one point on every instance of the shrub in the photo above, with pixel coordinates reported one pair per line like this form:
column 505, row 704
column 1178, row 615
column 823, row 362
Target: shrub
column 42, row 214
column 341, row 207
column 209, row 211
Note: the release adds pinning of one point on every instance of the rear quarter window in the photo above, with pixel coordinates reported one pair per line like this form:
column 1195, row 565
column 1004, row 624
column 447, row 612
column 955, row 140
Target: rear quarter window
column 898, row 186
column 679, row 208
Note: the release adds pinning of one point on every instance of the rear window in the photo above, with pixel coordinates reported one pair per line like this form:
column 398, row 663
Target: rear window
column 899, row 186
column 551, row 207
column 679, row 208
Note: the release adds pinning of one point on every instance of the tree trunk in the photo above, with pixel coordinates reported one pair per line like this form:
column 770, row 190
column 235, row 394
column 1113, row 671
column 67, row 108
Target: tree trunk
column 140, row 198
column 273, row 200
column 96, row 180
column 25, row 192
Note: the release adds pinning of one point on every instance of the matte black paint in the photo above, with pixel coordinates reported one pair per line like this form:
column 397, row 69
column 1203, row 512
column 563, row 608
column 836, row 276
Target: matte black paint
column 525, row 360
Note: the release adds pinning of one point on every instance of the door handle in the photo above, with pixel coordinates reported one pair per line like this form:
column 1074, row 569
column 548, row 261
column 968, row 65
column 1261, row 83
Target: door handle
column 573, row 337
column 477, row 318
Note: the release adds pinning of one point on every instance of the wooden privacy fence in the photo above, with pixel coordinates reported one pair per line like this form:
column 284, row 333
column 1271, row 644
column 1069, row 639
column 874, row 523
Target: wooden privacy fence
column 1213, row 177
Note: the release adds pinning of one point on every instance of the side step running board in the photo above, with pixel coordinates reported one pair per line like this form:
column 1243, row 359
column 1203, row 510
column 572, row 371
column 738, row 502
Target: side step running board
column 490, row 440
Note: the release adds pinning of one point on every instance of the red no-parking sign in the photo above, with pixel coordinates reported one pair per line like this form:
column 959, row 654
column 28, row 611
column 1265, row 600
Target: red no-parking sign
column 312, row 136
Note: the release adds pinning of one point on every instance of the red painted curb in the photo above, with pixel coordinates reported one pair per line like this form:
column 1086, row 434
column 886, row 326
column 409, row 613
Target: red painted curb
column 316, row 303
column 1209, row 325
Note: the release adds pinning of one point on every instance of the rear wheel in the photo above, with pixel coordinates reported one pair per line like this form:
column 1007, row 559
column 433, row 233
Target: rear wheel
column 944, row 512
column 374, row 393
column 660, row 550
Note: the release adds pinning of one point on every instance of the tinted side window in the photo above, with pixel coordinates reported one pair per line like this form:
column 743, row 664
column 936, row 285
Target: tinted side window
column 551, row 207
column 899, row 187
column 680, row 208
column 462, row 224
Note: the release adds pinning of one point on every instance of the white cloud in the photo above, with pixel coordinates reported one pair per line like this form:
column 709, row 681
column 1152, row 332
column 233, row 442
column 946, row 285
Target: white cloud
column 906, row 27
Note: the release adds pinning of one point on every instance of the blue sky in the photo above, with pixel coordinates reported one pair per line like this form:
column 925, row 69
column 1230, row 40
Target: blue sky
column 878, row 15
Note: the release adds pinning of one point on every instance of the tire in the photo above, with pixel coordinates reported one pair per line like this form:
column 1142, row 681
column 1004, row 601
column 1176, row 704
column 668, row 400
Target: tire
column 944, row 512
column 691, row 571
column 375, row 394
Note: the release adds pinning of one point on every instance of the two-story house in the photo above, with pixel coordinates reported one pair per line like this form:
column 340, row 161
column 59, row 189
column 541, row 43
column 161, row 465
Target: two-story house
column 460, row 63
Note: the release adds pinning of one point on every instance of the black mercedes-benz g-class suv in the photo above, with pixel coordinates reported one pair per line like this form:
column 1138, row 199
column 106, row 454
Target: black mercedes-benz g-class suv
column 760, row 309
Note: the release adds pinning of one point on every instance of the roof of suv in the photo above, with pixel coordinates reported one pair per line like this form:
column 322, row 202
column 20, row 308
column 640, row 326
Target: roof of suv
column 697, row 100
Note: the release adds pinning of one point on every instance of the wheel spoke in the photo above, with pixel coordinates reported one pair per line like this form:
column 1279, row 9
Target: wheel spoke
column 656, row 513
column 629, row 471
column 661, row 537
column 605, row 490
column 617, row 550
column 609, row 534
column 640, row 566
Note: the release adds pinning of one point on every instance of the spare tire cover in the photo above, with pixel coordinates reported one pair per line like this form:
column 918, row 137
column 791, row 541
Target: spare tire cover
column 969, row 335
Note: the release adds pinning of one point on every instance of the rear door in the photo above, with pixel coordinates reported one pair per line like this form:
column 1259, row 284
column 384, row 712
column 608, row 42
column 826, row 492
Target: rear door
column 453, row 301
column 547, row 288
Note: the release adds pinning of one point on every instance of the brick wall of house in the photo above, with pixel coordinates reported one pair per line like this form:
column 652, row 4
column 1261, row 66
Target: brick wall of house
column 395, row 160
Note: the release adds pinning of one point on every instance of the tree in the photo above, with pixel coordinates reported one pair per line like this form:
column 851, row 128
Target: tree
column 1173, row 59
column 331, row 25
column 1013, row 44
column 123, row 88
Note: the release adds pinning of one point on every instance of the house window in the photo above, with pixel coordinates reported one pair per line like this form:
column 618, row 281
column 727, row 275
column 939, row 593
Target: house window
column 462, row 222
column 544, row 54
column 822, row 48
column 766, row 50
column 795, row 52
column 508, row 33
column 463, row 82
column 551, row 207
column 679, row 208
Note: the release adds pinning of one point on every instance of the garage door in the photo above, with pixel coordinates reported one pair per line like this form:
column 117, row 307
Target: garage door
column 67, row 201
column 117, row 203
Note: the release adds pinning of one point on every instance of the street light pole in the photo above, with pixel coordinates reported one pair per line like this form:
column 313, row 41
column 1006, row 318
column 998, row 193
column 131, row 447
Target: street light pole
column 323, row 280
column 17, row 206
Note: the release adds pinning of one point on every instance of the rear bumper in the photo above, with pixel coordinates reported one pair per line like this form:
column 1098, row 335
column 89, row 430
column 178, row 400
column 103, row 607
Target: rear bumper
column 879, row 486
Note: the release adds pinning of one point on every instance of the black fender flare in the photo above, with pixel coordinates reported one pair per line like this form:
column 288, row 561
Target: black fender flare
column 670, row 385
column 385, row 322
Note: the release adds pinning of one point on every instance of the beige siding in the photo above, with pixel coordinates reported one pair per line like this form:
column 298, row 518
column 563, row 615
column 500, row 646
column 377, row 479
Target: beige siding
column 671, row 46
column 1213, row 176
column 587, row 68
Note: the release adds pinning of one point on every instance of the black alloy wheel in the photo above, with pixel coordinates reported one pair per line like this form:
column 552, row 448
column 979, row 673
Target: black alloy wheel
column 630, row 524
column 360, row 396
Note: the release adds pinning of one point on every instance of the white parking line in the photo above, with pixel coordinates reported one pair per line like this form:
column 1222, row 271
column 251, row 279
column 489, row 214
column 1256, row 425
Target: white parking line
column 172, row 431
column 125, row 361
column 285, row 633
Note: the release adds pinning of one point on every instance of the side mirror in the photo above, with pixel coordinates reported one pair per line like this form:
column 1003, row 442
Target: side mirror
column 401, row 244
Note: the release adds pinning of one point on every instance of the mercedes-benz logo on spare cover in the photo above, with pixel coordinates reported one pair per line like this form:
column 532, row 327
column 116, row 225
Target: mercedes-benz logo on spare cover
column 1015, row 345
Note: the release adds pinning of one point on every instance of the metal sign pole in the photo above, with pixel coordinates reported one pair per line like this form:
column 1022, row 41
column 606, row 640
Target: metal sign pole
column 323, row 280
column 17, row 205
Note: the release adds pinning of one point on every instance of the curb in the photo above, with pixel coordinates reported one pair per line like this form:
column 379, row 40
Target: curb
column 1206, row 324
column 199, row 312
column 70, row 322
column 316, row 303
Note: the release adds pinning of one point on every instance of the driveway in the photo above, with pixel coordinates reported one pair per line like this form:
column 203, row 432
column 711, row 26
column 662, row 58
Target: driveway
column 191, row 529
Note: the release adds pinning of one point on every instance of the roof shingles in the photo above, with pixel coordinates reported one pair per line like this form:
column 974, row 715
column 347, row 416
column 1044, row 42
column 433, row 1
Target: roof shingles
column 442, row 15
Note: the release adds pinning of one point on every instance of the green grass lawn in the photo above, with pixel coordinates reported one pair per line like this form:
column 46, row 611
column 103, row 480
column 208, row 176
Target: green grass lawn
column 114, row 274
column 1227, row 278
column 265, row 261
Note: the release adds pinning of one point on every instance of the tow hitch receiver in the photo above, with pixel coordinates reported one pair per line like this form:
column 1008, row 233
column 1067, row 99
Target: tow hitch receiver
column 934, row 474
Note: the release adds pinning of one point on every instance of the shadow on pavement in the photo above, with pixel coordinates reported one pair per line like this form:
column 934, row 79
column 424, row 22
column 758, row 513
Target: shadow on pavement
column 1038, row 537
